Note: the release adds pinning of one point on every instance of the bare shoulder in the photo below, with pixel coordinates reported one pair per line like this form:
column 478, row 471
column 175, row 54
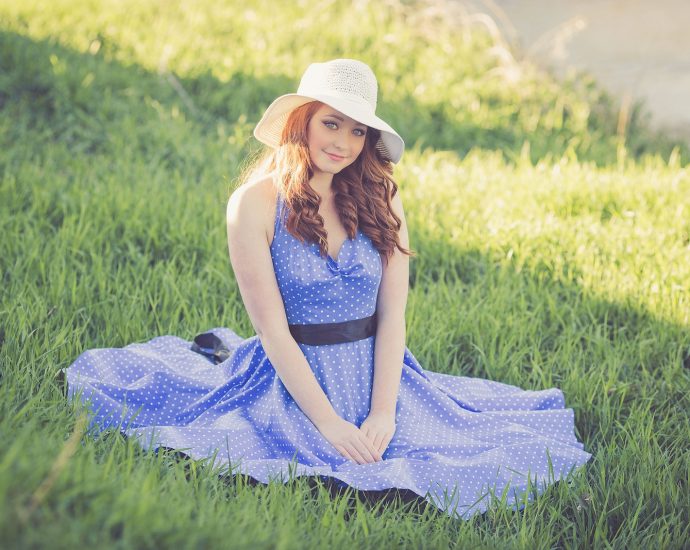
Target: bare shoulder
column 397, row 205
column 252, row 206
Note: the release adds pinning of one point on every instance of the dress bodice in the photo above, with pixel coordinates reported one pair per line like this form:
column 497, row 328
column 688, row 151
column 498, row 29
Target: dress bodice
column 323, row 290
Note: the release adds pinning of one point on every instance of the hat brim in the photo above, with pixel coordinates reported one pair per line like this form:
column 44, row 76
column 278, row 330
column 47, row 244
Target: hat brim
column 270, row 127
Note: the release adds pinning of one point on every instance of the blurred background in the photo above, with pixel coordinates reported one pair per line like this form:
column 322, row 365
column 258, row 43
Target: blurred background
column 639, row 50
column 536, row 78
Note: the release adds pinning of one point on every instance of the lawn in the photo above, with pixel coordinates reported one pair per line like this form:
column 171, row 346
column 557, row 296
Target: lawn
column 553, row 249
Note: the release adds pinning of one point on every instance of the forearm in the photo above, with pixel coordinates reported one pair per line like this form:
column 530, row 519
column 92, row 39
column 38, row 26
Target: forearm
column 389, row 351
column 294, row 372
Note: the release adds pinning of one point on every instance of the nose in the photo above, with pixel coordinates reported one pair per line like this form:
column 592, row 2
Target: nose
column 342, row 141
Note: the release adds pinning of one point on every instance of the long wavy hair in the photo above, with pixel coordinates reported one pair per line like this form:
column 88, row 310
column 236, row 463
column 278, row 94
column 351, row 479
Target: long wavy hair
column 362, row 191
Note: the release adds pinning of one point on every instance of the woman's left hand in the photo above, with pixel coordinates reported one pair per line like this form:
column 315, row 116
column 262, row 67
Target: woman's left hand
column 379, row 428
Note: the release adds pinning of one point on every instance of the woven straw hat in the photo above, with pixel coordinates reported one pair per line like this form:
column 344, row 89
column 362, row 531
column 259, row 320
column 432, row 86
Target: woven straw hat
column 347, row 85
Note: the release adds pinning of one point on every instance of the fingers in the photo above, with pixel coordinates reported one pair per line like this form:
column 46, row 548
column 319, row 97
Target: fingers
column 344, row 452
column 355, row 454
column 375, row 440
column 362, row 446
column 373, row 455
column 369, row 450
column 360, row 451
column 364, row 451
column 378, row 441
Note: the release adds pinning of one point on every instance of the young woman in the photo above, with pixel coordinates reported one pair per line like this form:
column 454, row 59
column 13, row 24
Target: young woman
column 319, row 247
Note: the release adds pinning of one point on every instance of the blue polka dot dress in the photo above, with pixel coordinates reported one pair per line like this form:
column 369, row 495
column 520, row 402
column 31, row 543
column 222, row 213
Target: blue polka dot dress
column 460, row 442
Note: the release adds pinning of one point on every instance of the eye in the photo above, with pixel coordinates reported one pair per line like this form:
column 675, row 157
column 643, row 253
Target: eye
column 327, row 122
column 361, row 133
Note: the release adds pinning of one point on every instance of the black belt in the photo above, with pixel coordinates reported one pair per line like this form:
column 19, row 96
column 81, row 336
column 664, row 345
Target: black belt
column 211, row 346
column 334, row 333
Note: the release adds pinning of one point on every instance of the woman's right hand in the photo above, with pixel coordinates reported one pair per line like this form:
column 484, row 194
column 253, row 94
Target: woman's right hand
column 349, row 440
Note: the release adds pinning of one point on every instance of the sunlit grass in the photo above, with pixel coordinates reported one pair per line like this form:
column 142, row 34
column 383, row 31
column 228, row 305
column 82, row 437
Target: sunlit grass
column 549, row 254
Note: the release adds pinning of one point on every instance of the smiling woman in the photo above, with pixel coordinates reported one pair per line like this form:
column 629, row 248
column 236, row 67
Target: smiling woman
column 336, row 137
column 327, row 387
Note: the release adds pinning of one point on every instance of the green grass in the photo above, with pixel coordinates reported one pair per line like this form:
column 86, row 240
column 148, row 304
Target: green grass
column 551, row 252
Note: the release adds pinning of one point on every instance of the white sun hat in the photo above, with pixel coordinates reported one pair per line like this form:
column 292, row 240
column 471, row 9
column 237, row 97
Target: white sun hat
column 347, row 85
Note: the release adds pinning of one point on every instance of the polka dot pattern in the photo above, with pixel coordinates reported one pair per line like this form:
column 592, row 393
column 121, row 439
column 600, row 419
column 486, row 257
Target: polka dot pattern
column 459, row 441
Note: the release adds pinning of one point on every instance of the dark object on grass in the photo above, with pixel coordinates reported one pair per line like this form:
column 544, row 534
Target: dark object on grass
column 211, row 346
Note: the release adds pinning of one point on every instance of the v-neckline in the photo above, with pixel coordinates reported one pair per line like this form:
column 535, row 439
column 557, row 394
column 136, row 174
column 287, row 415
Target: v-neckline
column 336, row 260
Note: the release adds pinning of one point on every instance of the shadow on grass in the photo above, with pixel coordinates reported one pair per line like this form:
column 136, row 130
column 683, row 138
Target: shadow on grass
column 83, row 98
column 374, row 500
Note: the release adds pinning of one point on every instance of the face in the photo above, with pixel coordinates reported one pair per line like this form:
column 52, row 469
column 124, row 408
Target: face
column 335, row 140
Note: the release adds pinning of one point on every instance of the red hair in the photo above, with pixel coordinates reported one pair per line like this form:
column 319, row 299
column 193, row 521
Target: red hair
column 362, row 191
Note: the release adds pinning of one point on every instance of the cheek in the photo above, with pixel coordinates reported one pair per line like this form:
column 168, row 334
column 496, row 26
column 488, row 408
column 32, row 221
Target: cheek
column 315, row 139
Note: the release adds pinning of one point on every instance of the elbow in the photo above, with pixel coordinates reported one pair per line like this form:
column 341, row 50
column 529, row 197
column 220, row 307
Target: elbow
column 264, row 338
column 270, row 336
column 261, row 332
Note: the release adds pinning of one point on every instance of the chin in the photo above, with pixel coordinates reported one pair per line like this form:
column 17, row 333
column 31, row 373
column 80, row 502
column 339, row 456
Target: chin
column 330, row 170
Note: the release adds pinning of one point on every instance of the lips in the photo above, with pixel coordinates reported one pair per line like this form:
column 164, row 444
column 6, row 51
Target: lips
column 334, row 157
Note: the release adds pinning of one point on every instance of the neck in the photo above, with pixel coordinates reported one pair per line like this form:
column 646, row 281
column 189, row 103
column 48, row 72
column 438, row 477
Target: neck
column 321, row 183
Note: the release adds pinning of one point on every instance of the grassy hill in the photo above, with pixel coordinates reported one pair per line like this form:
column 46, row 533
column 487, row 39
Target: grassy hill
column 552, row 251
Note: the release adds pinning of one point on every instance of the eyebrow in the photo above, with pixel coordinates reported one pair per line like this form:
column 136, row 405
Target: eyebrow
column 341, row 119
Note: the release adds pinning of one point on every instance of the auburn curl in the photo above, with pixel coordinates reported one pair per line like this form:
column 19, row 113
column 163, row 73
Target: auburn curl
column 362, row 191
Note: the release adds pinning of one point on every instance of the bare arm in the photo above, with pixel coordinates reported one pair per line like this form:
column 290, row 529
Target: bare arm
column 248, row 217
column 390, row 333
column 251, row 261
